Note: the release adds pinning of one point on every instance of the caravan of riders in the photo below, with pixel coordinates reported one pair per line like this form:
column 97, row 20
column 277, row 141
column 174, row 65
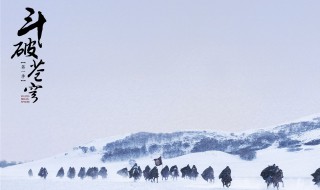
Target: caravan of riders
column 272, row 174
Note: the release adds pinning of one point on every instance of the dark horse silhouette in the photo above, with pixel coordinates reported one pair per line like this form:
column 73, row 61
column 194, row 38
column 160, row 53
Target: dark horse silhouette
column 153, row 174
column 60, row 172
column 71, row 173
column 43, row 172
column 272, row 175
column 103, row 172
column 316, row 177
column 186, row 172
column 135, row 172
column 92, row 172
column 123, row 172
column 194, row 172
column 30, row 173
column 225, row 177
column 82, row 172
column 174, row 172
column 165, row 172
column 146, row 172
column 208, row 174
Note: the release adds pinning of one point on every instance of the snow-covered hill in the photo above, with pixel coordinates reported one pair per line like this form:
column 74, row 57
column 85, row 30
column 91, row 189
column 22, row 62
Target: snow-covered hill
column 291, row 136
column 294, row 147
column 297, row 167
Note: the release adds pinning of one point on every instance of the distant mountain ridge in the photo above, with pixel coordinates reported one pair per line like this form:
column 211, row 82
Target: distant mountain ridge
column 295, row 136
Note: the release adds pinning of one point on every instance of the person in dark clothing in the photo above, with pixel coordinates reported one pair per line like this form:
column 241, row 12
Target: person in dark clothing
column 82, row 173
column 103, row 172
column 135, row 172
column 267, row 172
column 225, row 177
column 30, row 173
column 92, row 172
column 43, row 172
column 123, row 172
column 208, row 174
column 186, row 172
column 272, row 175
column 316, row 177
column 146, row 172
column 60, row 173
column 71, row 173
column 154, row 174
column 174, row 172
column 194, row 172
column 165, row 173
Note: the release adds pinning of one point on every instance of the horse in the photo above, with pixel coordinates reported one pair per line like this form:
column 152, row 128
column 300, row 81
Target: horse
column 174, row 172
column 103, row 172
column 316, row 177
column 92, row 172
column 135, row 172
column 82, row 172
column 30, row 173
column 146, row 172
column 43, row 173
column 208, row 174
column 71, row 173
column 272, row 175
column 225, row 177
column 186, row 172
column 123, row 172
column 153, row 174
column 60, row 173
column 194, row 172
column 165, row 173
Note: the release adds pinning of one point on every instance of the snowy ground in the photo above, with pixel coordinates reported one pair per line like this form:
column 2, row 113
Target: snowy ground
column 112, row 184
column 297, row 167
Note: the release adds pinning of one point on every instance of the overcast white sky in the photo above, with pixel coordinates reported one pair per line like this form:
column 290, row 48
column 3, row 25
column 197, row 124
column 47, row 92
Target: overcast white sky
column 117, row 67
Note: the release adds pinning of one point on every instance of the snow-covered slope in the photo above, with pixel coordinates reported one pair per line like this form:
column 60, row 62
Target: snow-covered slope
column 290, row 136
column 297, row 167
column 293, row 147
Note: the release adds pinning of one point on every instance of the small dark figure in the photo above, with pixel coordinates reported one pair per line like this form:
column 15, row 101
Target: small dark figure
column 82, row 172
column 277, row 178
column 146, row 172
column 316, row 177
column 174, row 172
column 135, row 172
column 165, row 172
column 95, row 172
column 103, row 172
column 186, row 172
column 92, row 172
column 89, row 172
column 154, row 174
column 225, row 177
column 272, row 175
column 30, row 173
column 60, row 172
column 43, row 172
column 208, row 174
column 71, row 173
column 123, row 172
column 194, row 173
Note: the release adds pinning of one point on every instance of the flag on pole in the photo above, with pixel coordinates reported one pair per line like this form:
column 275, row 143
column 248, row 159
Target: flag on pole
column 158, row 161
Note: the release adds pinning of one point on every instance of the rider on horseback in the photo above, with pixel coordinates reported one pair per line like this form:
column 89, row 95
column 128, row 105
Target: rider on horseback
column 225, row 177
column 272, row 175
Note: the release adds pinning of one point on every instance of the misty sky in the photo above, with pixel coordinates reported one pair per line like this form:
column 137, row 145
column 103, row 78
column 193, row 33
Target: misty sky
column 118, row 67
